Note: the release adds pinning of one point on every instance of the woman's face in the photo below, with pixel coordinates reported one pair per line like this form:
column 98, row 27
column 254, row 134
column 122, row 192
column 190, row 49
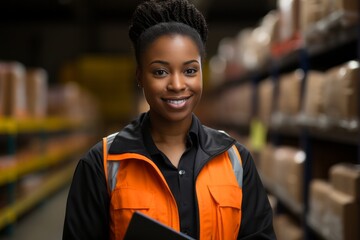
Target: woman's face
column 171, row 76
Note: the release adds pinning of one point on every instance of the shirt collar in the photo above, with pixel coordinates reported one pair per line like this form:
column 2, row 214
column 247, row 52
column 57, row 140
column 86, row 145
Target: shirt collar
column 192, row 136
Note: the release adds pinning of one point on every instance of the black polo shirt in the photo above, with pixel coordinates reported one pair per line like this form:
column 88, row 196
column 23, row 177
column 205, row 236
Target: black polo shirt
column 181, row 179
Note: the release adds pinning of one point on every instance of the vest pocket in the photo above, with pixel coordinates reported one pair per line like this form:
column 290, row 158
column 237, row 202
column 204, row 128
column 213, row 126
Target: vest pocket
column 130, row 198
column 227, row 200
column 124, row 202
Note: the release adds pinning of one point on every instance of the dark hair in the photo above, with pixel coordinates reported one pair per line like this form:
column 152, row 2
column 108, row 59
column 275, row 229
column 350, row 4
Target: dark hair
column 156, row 18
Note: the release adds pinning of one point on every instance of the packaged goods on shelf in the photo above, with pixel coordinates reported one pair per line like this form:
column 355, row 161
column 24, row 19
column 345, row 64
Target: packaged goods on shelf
column 97, row 75
column 286, row 229
column 36, row 92
column 12, row 90
column 217, row 65
column 289, row 18
column 343, row 216
column 266, row 95
column 345, row 177
column 281, row 169
column 320, row 19
column 288, row 174
column 333, row 213
column 313, row 105
column 267, row 166
column 227, row 53
column 342, row 94
column 319, row 191
column 313, row 11
column 234, row 106
column 71, row 101
column 253, row 45
column 288, row 101
column 253, row 48
column 315, row 20
column 349, row 11
column 7, row 161
column 29, row 183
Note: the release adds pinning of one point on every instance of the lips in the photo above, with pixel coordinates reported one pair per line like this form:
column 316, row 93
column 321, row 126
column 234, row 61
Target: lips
column 176, row 102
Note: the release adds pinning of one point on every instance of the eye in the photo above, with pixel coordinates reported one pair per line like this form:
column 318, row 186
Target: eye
column 191, row 71
column 159, row 73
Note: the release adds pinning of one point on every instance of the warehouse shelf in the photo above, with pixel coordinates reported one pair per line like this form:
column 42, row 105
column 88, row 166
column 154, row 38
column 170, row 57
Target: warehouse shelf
column 294, row 207
column 24, row 166
column 56, row 180
column 295, row 54
column 340, row 131
column 28, row 125
column 312, row 134
column 54, row 142
column 341, row 37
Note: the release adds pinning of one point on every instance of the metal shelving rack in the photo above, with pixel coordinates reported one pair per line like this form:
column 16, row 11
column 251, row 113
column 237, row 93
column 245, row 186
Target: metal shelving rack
column 315, row 57
column 58, row 165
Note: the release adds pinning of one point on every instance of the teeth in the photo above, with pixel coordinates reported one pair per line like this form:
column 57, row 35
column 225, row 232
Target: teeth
column 176, row 102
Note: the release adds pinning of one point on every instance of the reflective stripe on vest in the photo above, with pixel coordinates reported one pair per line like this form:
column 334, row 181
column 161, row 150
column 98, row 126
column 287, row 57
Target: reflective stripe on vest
column 112, row 167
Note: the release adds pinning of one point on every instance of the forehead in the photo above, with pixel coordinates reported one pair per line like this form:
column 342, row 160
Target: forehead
column 172, row 47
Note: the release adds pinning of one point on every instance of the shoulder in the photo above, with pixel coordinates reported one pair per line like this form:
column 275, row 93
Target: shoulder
column 93, row 158
column 243, row 150
column 214, row 141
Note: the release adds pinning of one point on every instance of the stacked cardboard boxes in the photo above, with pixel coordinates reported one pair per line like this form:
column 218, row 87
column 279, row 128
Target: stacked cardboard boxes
column 282, row 170
column 23, row 91
column 334, row 205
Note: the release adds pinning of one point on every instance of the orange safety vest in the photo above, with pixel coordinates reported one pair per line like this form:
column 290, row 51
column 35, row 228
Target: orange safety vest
column 136, row 184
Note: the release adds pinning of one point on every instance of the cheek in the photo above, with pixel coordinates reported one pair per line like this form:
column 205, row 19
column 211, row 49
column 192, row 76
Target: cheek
column 198, row 85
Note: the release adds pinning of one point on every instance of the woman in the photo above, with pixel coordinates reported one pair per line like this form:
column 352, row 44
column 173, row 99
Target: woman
column 166, row 164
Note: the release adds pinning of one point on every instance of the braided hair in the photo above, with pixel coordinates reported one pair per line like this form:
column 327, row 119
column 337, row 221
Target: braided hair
column 155, row 18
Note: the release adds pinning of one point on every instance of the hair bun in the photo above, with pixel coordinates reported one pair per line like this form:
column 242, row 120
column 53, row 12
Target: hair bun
column 152, row 12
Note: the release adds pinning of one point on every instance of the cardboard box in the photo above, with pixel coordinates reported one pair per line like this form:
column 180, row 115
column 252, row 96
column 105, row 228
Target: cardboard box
column 36, row 92
column 312, row 11
column 289, row 172
column 234, row 105
column 12, row 91
column 343, row 217
column 266, row 95
column 289, row 18
column 318, row 205
column 345, row 177
column 342, row 91
column 314, row 94
column 267, row 165
column 286, row 229
column 289, row 97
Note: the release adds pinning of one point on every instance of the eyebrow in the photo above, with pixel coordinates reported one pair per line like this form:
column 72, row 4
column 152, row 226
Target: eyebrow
column 167, row 63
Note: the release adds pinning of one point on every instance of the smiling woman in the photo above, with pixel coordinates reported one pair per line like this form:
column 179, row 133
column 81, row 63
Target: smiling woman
column 166, row 164
column 170, row 74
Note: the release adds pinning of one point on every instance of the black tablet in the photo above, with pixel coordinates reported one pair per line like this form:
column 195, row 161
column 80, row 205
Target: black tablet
column 143, row 227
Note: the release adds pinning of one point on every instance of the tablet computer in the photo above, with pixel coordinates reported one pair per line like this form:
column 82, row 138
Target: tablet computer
column 143, row 227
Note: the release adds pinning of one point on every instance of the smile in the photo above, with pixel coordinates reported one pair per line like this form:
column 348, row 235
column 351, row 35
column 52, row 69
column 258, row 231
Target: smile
column 177, row 103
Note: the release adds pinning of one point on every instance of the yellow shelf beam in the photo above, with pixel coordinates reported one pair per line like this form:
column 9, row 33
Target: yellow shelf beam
column 12, row 173
column 15, row 126
column 9, row 214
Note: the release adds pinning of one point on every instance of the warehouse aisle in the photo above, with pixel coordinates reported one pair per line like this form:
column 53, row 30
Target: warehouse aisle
column 45, row 222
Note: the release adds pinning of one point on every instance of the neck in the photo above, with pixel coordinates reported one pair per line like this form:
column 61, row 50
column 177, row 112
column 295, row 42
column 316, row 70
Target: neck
column 167, row 132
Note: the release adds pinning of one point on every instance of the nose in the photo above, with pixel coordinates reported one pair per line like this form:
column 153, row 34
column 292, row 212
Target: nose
column 176, row 83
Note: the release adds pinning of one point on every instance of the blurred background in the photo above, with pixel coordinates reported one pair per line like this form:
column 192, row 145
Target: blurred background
column 281, row 76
